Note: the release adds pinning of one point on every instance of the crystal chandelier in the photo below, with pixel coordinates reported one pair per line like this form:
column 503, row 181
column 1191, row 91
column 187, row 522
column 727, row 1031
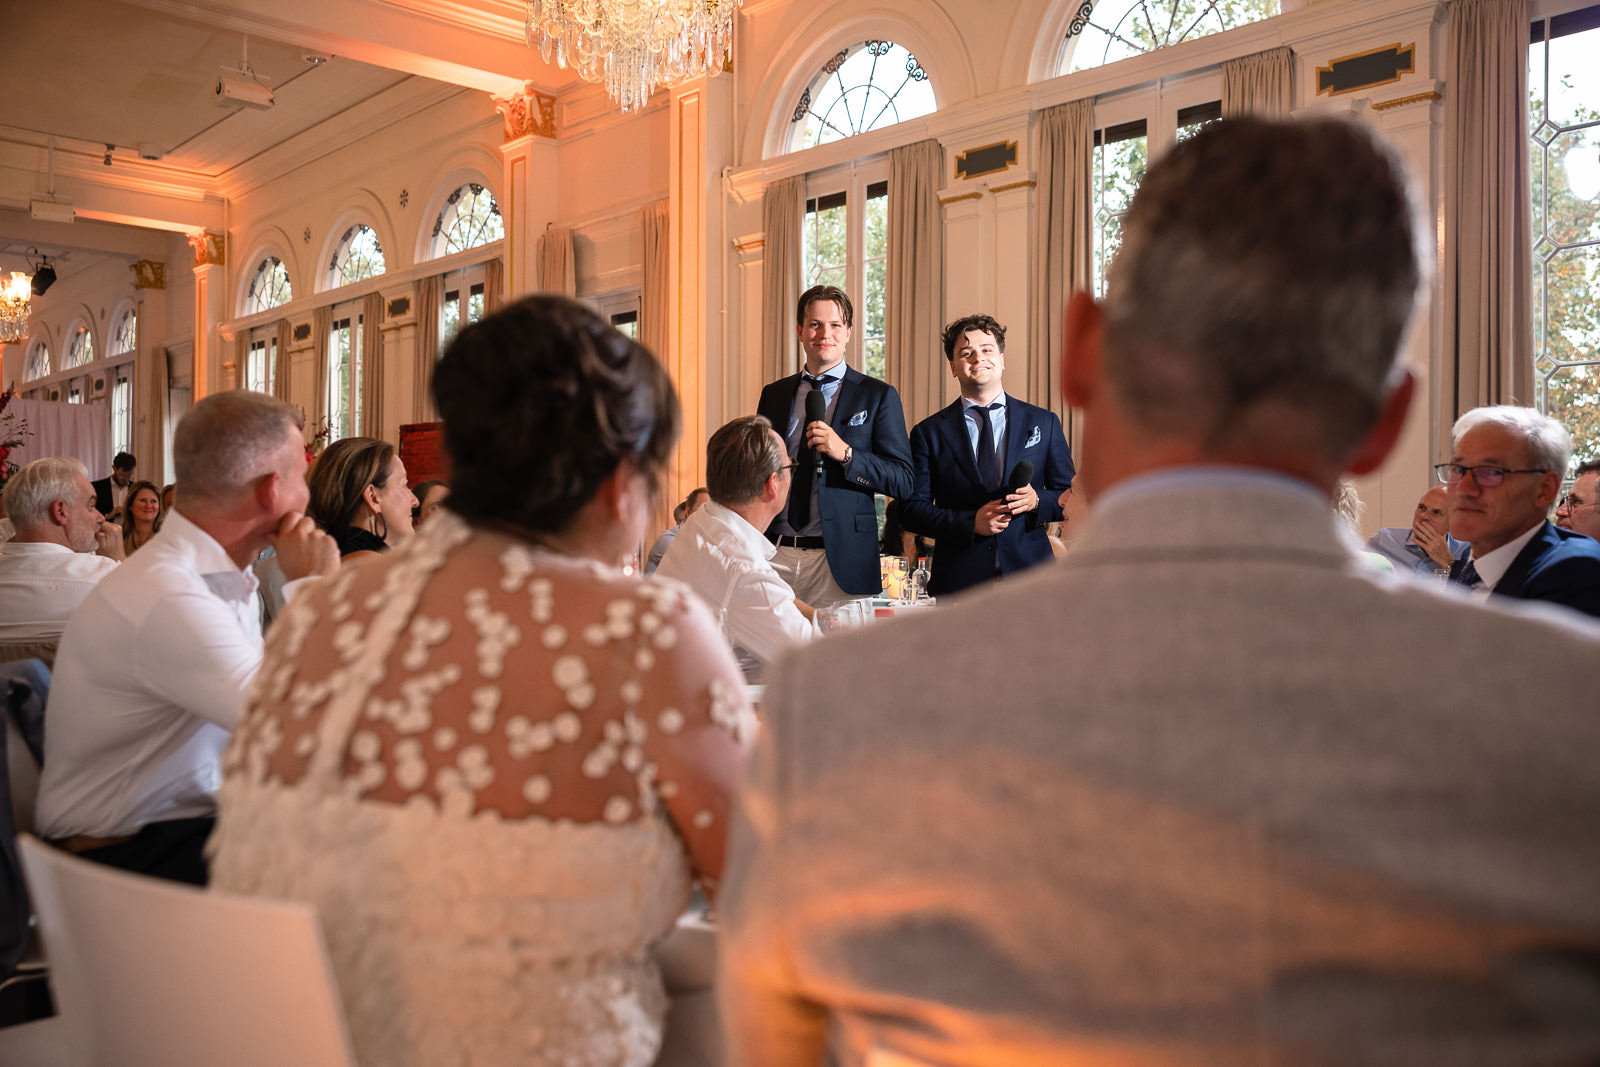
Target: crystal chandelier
column 15, row 297
column 633, row 46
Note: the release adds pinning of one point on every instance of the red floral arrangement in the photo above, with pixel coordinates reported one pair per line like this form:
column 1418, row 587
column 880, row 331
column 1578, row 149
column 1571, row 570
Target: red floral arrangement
column 13, row 433
column 319, row 441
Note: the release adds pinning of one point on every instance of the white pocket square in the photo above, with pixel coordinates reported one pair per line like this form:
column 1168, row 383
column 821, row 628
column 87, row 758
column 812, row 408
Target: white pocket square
column 1034, row 437
column 858, row 419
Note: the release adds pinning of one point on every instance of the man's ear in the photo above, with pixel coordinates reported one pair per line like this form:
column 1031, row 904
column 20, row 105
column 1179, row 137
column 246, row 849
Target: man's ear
column 1082, row 358
column 265, row 491
column 58, row 512
column 1549, row 488
column 1380, row 440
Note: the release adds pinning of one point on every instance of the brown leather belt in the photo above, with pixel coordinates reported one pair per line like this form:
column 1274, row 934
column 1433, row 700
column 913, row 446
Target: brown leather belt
column 85, row 843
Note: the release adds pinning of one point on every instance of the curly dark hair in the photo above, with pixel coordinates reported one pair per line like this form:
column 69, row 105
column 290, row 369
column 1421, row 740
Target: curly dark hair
column 985, row 323
column 541, row 401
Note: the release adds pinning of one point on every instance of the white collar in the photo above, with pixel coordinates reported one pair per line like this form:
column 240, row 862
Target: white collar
column 968, row 404
column 751, row 539
column 1492, row 566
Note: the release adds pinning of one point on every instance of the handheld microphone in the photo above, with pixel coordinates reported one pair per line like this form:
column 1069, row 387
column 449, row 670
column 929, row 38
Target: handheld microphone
column 1021, row 475
column 817, row 411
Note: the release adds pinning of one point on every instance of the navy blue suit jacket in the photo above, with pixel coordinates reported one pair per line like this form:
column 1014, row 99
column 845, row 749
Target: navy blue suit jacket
column 947, row 494
column 1560, row 566
column 868, row 417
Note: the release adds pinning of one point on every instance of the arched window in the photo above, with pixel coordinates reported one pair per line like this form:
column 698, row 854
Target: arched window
column 866, row 86
column 125, row 338
column 1117, row 29
column 38, row 362
column 269, row 288
column 80, row 347
column 470, row 217
column 357, row 257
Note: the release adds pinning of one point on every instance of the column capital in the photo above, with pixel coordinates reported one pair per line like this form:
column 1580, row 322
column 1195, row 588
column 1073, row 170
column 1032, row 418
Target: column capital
column 149, row 274
column 527, row 113
column 210, row 249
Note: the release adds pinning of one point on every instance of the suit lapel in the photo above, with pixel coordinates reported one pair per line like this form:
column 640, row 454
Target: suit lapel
column 846, row 399
column 953, row 424
column 1516, row 575
column 1019, row 422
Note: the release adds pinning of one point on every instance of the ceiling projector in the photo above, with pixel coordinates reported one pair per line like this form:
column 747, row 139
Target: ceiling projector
column 237, row 88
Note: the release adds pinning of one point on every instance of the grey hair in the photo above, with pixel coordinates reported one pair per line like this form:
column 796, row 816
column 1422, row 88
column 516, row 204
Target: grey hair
column 228, row 440
column 1267, row 275
column 1348, row 505
column 1549, row 443
column 740, row 457
column 31, row 491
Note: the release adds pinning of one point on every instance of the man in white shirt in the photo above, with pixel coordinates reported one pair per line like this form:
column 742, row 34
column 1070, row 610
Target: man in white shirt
column 51, row 563
column 152, row 672
column 723, row 555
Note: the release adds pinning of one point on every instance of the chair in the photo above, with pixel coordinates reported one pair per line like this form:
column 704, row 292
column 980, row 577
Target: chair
column 24, row 686
column 156, row 974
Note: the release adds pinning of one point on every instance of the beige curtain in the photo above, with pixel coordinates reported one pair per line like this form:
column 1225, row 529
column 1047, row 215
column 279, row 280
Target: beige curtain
column 1063, row 243
column 321, row 323
column 913, row 361
column 557, row 263
column 783, row 210
column 494, row 289
column 372, row 385
column 280, row 379
column 1259, row 84
column 654, row 314
column 429, row 293
column 1486, row 279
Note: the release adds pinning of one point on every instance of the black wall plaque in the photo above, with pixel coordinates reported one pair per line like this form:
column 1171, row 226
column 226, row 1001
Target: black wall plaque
column 302, row 331
column 399, row 306
column 986, row 160
column 1365, row 69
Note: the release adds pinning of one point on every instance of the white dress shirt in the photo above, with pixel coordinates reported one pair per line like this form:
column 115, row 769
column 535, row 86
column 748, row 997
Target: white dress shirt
column 1492, row 566
column 726, row 561
column 149, row 682
column 41, row 585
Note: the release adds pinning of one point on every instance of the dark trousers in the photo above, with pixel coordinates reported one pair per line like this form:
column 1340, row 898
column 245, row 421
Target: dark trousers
column 174, row 850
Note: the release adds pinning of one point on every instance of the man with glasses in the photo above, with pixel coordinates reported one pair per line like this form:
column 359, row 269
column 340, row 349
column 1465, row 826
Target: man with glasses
column 1580, row 509
column 722, row 553
column 1503, row 477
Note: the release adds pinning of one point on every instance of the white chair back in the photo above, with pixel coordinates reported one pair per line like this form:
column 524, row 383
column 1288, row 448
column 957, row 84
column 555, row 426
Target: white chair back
column 165, row 975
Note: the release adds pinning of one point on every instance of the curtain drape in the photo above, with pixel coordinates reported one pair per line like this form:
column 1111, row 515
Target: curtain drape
column 82, row 431
column 1062, row 246
column 782, row 214
column 429, row 293
column 372, row 376
column 654, row 319
column 557, row 262
column 1259, row 84
column 494, row 288
column 1487, row 273
column 280, row 380
column 321, row 323
column 913, row 361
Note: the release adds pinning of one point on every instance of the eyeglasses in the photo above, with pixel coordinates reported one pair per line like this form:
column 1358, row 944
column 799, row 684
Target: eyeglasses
column 1485, row 477
column 1573, row 505
column 791, row 467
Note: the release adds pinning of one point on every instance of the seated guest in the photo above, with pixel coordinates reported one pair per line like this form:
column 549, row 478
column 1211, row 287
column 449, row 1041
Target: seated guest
column 359, row 495
column 489, row 758
column 722, row 553
column 430, row 496
column 142, row 516
column 1504, row 475
column 61, row 550
column 1287, row 810
column 686, row 507
column 1426, row 547
column 169, row 494
column 1580, row 508
column 154, row 667
column 112, row 491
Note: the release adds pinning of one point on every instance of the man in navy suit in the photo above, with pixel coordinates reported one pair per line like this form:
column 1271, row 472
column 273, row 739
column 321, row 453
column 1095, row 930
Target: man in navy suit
column 962, row 458
column 827, row 534
column 1504, row 475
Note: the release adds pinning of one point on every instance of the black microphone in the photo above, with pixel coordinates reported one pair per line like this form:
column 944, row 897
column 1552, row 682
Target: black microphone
column 817, row 411
column 1021, row 475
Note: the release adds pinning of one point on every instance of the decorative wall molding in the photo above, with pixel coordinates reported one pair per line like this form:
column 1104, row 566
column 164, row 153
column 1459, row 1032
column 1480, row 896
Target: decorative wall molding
column 527, row 113
column 210, row 249
column 149, row 274
column 1414, row 98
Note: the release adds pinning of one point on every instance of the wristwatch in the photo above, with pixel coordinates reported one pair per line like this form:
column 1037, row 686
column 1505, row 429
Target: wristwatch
column 849, row 453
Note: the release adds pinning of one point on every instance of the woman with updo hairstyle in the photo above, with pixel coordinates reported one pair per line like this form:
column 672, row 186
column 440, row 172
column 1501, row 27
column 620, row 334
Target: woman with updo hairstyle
column 142, row 516
column 494, row 761
column 359, row 496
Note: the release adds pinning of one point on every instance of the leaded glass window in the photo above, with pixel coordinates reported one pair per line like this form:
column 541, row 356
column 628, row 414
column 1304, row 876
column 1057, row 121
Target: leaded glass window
column 850, row 249
column 357, row 257
column 1108, row 30
column 125, row 338
column 344, row 378
column 1121, row 154
column 80, row 347
column 269, row 288
column 122, row 412
column 38, row 363
column 261, row 364
column 1564, row 142
column 866, row 86
column 470, row 217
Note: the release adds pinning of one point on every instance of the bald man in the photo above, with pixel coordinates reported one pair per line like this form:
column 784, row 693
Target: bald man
column 1427, row 547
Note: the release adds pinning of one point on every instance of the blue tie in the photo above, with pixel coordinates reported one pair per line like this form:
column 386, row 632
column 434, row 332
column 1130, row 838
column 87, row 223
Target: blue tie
column 988, row 459
column 1464, row 572
column 800, row 487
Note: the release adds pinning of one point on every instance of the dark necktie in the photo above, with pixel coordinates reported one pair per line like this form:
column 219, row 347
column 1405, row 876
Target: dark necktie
column 988, row 459
column 805, row 473
column 1464, row 572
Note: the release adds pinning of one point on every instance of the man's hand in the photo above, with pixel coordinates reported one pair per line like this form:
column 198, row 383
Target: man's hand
column 1434, row 543
column 108, row 540
column 819, row 437
column 992, row 518
column 303, row 549
column 1022, row 501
